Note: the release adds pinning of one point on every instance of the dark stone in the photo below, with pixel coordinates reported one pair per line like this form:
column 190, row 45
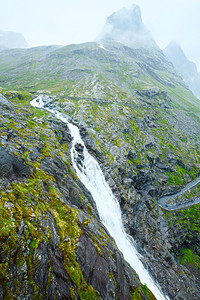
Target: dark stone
column 11, row 166
column 83, row 132
column 33, row 155
column 96, row 268
column 62, row 279
column 132, row 155
column 141, row 179
column 151, row 158
column 40, row 274
column 64, row 136
column 79, row 147
column 54, row 167
column 61, row 130
column 180, row 163
column 139, row 167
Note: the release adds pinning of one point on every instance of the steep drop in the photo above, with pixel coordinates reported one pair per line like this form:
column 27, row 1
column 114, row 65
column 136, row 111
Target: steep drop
column 90, row 174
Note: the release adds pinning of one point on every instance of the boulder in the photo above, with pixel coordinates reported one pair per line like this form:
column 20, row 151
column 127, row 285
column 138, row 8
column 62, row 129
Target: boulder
column 11, row 166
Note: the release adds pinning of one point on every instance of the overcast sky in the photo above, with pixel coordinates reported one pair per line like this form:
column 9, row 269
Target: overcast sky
column 76, row 21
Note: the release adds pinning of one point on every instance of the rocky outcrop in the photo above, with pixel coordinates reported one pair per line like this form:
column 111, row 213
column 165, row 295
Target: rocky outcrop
column 125, row 26
column 141, row 122
column 5, row 102
column 10, row 166
column 139, row 171
column 53, row 245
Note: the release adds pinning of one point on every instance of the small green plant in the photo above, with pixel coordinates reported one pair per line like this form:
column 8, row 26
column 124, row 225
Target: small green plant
column 188, row 257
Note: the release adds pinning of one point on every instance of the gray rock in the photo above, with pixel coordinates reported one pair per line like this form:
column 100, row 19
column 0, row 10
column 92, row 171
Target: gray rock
column 132, row 155
column 126, row 27
column 11, row 166
column 5, row 102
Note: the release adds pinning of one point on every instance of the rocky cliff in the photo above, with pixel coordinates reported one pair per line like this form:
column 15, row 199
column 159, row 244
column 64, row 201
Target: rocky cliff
column 53, row 245
column 141, row 122
column 126, row 26
column 186, row 68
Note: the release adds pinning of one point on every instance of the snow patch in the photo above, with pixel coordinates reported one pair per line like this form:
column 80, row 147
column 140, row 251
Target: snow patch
column 102, row 47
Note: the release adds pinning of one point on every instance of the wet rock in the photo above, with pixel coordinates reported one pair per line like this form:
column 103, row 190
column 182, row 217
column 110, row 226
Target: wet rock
column 62, row 131
column 79, row 147
column 103, row 271
column 11, row 166
column 83, row 132
column 79, row 157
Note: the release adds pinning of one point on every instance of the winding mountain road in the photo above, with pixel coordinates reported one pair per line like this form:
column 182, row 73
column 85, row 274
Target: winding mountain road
column 178, row 206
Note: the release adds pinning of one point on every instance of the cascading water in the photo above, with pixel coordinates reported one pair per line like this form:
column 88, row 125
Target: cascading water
column 90, row 174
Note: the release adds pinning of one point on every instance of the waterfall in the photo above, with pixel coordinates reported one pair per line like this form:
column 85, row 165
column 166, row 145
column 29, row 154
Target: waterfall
column 90, row 174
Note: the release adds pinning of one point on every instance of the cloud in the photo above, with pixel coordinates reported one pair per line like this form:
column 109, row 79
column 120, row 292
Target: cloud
column 64, row 22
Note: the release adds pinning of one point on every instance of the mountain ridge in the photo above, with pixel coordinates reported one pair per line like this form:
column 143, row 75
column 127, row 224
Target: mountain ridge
column 140, row 121
column 186, row 68
column 126, row 26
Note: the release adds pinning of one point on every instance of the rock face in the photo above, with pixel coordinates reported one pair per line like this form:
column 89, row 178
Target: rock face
column 186, row 68
column 5, row 102
column 52, row 243
column 126, row 27
column 141, row 122
column 9, row 39
column 11, row 166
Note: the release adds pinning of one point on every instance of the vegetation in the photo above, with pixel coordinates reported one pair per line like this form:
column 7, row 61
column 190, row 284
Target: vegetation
column 26, row 207
column 141, row 122
column 190, row 258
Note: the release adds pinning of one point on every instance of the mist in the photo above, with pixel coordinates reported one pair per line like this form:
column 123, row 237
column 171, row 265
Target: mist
column 125, row 26
column 65, row 22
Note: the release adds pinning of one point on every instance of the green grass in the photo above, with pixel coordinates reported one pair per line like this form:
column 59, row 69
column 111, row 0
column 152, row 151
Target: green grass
column 34, row 199
column 188, row 257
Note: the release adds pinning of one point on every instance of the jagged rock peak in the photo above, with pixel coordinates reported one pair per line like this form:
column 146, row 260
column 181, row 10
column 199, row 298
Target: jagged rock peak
column 175, row 46
column 126, row 26
column 10, row 39
column 186, row 68
column 127, row 19
column 175, row 53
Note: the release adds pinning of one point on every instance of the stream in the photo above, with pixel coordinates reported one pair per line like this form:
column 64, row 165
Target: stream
column 90, row 174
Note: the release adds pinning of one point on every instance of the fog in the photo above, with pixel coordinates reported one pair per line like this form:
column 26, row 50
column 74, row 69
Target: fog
column 44, row 22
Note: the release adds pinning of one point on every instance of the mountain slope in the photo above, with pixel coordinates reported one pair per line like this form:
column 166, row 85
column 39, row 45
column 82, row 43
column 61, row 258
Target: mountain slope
column 186, row 68
column 142, row 123
column 53, row 244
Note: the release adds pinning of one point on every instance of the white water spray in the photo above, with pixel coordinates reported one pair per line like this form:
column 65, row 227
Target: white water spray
column 90, row 174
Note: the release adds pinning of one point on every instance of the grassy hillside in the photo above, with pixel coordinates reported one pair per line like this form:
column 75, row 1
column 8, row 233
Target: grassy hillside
column 140, row 121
